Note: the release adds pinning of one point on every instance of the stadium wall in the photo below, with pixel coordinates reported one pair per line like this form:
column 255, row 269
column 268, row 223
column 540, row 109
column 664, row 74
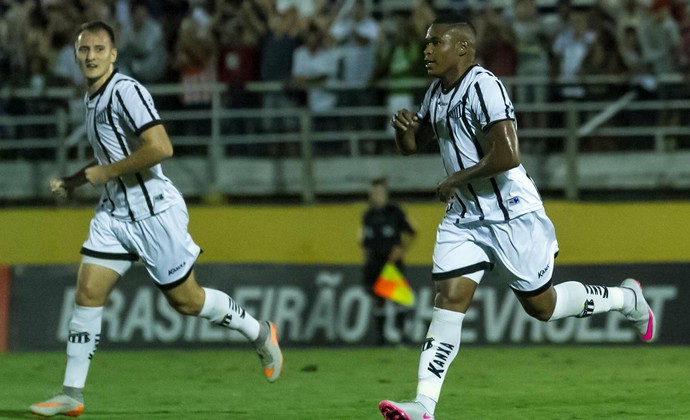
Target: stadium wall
column 300, row 265
column 326, row 305
column 327, row 234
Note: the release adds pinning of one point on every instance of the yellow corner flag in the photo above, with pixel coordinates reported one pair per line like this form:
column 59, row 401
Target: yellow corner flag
column 392, row 285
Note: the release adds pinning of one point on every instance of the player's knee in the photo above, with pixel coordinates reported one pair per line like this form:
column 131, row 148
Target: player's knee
column 90, row 295
column 186, row 303
column 452, row 300
column 185, row 307
column 542, row 314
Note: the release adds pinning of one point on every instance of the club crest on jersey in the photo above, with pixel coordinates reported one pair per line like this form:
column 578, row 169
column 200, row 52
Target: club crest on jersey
column 456, row 112
column 102, row 117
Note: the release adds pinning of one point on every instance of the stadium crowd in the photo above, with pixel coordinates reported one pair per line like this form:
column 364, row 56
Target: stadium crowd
column 328, row 53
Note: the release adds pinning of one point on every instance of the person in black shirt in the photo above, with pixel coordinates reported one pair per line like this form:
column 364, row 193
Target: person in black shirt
column 385, row 235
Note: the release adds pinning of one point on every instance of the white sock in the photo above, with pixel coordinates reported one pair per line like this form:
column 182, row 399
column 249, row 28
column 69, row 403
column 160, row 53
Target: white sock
column 439, row 350
column 220, row 309
column 582, row 300
column 82, row 341
column 629, row 300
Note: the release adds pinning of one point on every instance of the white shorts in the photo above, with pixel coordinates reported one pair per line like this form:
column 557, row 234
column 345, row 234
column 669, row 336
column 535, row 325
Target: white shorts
column 520, row 252
column 161, row 241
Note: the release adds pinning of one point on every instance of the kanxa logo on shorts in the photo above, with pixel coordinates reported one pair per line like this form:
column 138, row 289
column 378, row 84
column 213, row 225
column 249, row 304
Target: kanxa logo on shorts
column 437, row 366
column 178, row 268
column 543, row 270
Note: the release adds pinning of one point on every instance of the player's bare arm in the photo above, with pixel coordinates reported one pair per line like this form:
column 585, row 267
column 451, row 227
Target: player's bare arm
column 62, row 187
column 502, row 155
column 155, row 148
column 410, row 133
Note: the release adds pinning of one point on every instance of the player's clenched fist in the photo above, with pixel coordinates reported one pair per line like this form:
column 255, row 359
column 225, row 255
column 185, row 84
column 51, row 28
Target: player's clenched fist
column 57, row 187
column 404, row 119
column 96, row 175
column 445, row 190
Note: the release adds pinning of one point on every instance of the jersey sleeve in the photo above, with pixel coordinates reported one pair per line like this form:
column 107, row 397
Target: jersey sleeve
column 423, row 113
column 491, row 103
column 136, row 106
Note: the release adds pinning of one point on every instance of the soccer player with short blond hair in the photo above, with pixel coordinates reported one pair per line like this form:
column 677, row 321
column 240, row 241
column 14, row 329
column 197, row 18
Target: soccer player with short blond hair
column 140, row 215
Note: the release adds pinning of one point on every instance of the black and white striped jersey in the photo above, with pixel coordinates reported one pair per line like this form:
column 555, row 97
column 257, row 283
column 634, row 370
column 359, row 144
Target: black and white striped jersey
column 460, row 117
column 116, row 115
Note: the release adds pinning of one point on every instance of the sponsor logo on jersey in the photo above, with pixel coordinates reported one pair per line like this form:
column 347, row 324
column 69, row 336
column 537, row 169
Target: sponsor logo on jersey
column 513, row 201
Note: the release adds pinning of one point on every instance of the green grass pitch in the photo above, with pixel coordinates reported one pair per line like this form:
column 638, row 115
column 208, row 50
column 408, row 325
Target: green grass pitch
column 484, row 383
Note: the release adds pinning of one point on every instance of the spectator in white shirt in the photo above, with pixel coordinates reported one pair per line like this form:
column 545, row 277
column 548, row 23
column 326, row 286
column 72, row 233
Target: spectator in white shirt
column 357, row 34
column 314, row 67
column 141, row 55
column 571, row 47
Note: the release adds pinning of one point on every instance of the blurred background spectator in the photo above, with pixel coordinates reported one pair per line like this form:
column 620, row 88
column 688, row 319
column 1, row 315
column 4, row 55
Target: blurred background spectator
column 277, row 48
column 238, row 31
column 661, row 46
column 660, row 38
column 141, row 50
column 328, row 54
column 195, row 61
column 497, row 50
column 571, row 46
column 314, row 67
column 357, row 34
column 400, row 58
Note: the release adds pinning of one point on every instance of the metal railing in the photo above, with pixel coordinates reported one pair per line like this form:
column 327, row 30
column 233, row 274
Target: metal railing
column 578, row 120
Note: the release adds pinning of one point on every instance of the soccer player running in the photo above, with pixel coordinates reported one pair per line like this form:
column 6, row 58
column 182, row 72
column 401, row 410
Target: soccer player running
column 495, row 219
column 140, row 215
